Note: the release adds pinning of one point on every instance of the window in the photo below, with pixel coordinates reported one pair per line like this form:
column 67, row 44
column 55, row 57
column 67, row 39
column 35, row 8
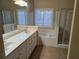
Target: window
column 44, row 18
column 22, row 17
column 8, row 16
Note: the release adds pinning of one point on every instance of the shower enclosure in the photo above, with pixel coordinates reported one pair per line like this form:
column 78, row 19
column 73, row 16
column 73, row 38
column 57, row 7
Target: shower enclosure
column 65, row 20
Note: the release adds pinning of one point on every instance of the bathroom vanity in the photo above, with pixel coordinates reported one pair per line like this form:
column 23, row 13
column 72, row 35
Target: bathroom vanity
column 21, row 45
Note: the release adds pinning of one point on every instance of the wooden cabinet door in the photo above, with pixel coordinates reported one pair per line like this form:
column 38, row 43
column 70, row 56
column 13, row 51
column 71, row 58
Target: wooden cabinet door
column 11, row 56
column 28, row 49
column 22, row 54
column 34, row 41
column 21, row 51
column 35, row 38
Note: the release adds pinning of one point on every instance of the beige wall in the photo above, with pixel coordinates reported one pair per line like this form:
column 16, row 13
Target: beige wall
column 45, row 3
column 7, row 4
column 0, row 5
column 53, row 3
column 73, row 52
column 66, row 3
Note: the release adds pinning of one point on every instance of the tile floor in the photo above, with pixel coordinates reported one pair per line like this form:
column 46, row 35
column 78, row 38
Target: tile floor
column 49, row 53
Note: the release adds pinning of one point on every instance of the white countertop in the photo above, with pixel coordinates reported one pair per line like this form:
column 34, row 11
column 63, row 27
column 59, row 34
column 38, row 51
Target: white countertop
column 16, row 41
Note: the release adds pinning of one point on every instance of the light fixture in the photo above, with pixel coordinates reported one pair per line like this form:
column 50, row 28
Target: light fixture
column 20, row 3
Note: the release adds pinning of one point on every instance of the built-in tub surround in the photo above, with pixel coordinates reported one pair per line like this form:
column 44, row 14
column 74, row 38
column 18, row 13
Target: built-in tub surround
column 49, row 37
column 28, row 28
column 13, row 42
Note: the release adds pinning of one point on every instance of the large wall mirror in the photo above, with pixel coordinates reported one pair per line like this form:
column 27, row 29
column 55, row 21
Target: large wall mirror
column 13, row 15
column 14, row 18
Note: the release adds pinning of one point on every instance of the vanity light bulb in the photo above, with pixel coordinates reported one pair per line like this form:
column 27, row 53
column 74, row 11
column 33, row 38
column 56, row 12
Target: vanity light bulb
column 21, row 3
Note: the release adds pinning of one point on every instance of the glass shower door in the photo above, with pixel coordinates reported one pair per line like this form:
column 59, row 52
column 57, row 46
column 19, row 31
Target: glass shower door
column 62, row 21
column 65, row 26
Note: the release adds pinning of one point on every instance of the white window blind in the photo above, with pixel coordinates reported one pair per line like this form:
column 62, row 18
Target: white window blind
column 44, row 18
column 22, row 17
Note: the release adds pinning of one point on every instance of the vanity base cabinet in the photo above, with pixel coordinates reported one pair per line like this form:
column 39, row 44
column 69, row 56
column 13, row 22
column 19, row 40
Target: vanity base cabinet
column 18, row 53
column 25, row 49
